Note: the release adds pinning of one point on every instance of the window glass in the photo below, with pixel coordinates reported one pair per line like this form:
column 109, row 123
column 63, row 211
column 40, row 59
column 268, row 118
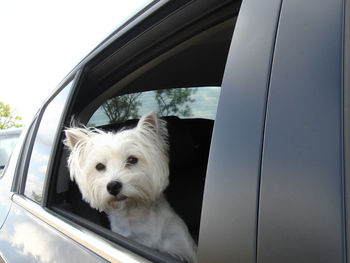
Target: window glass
column 182, row 102
column 7, row 143
column 43, row 145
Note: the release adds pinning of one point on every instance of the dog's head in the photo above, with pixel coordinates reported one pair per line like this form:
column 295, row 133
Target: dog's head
column 116, row 170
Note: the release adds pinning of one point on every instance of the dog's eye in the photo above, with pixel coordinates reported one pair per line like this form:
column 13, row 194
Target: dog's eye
column 100, row 167
column 131, row 160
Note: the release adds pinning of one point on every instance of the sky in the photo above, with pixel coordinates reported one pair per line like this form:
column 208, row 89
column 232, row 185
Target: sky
column 42, row 40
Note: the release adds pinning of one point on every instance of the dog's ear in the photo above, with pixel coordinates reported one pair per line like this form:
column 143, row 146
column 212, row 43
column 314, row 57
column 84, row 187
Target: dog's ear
column 148, row 122
column 74, row 136
column 153, row 125
column 151, row 122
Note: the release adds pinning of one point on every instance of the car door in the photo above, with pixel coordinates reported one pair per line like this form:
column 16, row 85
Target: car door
column 301, row 212
column 279, row 188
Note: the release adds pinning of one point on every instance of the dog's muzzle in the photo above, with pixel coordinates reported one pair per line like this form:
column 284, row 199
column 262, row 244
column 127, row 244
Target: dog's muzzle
column 114, row 188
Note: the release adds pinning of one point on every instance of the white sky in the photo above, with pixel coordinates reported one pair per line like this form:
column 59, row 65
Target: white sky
column 42, row 40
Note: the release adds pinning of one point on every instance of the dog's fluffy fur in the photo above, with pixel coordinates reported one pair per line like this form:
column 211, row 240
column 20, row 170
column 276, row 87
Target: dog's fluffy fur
column 124, row 174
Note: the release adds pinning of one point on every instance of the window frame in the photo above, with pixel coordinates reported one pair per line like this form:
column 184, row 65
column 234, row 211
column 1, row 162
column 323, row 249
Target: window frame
column 89, row 71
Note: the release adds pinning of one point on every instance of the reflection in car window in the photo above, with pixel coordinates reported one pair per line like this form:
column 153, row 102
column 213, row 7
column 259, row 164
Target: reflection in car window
column 43, row 145
column 183, row 102
column 7, row 143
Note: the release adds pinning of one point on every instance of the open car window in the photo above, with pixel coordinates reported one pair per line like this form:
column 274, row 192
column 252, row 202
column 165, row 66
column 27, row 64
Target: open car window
column 180, row 80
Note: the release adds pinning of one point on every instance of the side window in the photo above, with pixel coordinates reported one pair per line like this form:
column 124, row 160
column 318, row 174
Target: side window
column 181, row 82
column 43, row 145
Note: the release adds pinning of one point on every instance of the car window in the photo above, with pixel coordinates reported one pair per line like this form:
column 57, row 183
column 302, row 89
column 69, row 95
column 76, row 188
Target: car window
column 7, row 143
column 181, row 84
column 43, row 145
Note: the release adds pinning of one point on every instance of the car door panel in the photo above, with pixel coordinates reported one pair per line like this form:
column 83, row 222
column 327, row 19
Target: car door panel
column 301, row 199
column 25, row 238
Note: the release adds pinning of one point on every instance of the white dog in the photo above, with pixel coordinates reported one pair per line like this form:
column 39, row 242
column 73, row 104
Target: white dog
column 124, row 174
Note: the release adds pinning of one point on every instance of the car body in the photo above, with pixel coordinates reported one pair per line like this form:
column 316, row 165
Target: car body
column 8, row 139
column 258, row 123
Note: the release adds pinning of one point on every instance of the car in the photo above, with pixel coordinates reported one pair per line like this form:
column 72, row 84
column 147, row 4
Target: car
column 256, row 97
column 8, row 139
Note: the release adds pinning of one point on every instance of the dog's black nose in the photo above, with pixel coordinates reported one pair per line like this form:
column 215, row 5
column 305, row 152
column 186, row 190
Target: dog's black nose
column 114, row 187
